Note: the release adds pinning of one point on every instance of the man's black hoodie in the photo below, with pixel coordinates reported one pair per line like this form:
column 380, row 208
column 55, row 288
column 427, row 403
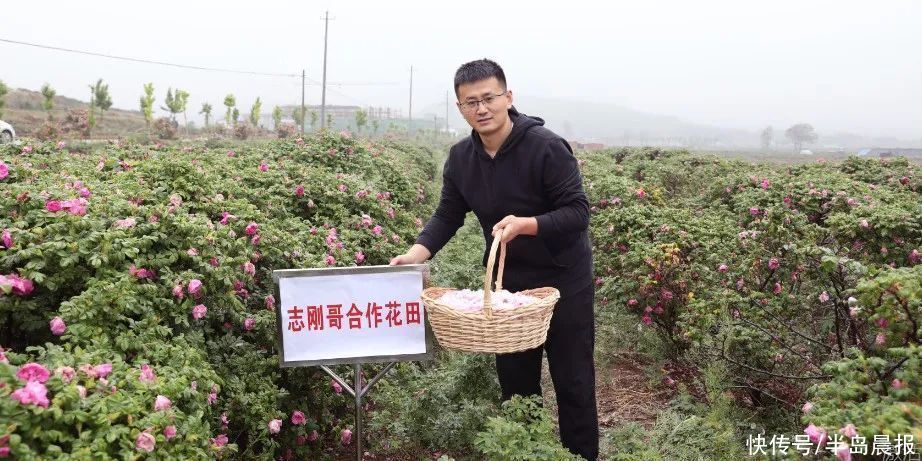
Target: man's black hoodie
column 533, row 174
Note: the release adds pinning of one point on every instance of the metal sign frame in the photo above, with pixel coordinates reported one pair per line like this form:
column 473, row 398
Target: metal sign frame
column 357, row 390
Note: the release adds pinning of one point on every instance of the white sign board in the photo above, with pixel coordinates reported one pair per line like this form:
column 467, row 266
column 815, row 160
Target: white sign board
column 351, row 315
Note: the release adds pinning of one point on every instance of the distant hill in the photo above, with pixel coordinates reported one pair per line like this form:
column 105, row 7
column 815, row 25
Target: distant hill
column 24, row 111
column 611, row 124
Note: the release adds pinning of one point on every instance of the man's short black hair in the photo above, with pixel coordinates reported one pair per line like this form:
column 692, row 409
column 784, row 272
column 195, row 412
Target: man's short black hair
column 478, row 70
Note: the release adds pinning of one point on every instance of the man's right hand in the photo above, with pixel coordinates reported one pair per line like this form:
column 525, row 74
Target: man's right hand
column 417, row 254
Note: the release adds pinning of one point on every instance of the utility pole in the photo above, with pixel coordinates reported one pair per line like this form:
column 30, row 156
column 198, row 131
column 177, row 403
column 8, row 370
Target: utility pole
column 447, row 108
column 323, row 99
column 410, row 118
column 303, row 86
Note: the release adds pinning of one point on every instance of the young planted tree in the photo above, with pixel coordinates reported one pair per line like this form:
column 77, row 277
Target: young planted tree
column 298, row 115
column 173, row 103
column 276, row 117
column 91, row 118
column 375, row 126
column 361, row 119
column 182, row 99
column 3, row 91
column 230, row 101
column 313, row 119
column 206, row 111
column 101, row 97
column 48, row 94
column 147, row 105
column 329, row 121
column 254, row 113
column 235, row 115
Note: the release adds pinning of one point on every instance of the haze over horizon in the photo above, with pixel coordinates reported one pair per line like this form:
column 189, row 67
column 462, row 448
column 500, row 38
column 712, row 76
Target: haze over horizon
column 844, row 67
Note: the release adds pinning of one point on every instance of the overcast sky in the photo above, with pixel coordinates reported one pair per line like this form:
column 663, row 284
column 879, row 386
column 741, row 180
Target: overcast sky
column 841, row 65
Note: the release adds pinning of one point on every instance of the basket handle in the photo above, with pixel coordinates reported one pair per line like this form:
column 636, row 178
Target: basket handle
column 488, row 277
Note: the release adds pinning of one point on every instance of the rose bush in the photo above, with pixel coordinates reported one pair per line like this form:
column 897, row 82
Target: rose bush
column 796, row 278
column 157, row 260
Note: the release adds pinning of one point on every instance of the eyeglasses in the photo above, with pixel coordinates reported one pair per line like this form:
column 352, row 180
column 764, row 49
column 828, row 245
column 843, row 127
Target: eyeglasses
column 471, row 106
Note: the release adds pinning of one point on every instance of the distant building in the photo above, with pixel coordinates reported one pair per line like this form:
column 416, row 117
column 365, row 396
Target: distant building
column 590, row 146
column 890, row 152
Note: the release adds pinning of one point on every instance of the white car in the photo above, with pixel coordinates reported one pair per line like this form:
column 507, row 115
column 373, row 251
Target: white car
column 7, row 133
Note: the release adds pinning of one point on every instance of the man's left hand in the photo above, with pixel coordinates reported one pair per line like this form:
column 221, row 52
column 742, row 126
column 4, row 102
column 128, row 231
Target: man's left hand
column 514, row 226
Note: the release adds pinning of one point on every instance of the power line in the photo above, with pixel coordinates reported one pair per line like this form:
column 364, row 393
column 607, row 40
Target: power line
column 149, row 61
column 186, row 66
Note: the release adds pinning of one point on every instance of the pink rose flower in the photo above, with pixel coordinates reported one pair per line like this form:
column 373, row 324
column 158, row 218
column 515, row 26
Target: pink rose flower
column 359, row 257
column 299, row 191
column 34, row 393
column 773, row 263
column 178, row 291
column 915, row 257
column 880, row 339
column 198, row 312
column 53, row 206
column 195, row 286
column 824, row 297
column 807, row 407
column 336, row 387
column 33, row 372
column 192, row 252
column 7, row 239
column 81, row 391
column 330, row 260
column 816, row 435
column 897, row 384
column 722, row 268
column 66, row 373
column 849, row 431
column 103, row 370
column 58, row 327
column 219, row 441
column 147, row 374
column 275, row 426
column 85, row 193
column 61, row 144
column 125, row 223
column 252, row 228
column 270, row 302
column 169, row 432
column 297, row 418
column 765, row 184
column 4, row 170
column 313, row 436
column 162, row 403
column 249, row 323
column 18, row 285
column 345, row 436
column 342, row 187
column 844, row 453
column 213, row 261
column 249, row 268
column 145, row 442
column 376, row 230
column 263, row 167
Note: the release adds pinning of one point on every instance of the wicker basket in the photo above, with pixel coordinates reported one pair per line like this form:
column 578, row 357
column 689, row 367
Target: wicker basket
column 501, row 331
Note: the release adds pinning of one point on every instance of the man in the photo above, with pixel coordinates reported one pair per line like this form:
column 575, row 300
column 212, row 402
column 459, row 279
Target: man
column 518, row 176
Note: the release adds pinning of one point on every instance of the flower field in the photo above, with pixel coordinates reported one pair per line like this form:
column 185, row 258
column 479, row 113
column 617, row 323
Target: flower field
column 136, row 318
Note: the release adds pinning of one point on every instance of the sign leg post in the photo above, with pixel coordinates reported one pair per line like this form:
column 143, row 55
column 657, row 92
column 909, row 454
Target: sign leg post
column 358, row 411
